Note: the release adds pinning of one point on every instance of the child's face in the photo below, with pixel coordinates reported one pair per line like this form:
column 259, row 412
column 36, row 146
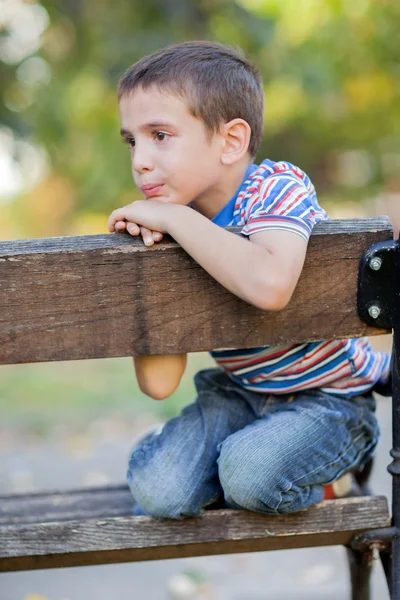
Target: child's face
column 172, row 159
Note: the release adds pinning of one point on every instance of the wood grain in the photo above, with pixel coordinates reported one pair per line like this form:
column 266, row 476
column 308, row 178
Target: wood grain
column 109, row 295
column 113, row 539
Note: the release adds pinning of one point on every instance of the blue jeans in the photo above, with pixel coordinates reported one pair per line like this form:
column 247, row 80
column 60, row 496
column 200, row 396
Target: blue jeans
column 265, row 453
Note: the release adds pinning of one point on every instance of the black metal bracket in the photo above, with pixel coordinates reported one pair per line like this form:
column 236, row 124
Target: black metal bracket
column 379, row 306
column 378, row 538
column 378, row 298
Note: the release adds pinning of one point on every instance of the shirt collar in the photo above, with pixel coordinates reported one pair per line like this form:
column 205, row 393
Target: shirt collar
column 225, row 214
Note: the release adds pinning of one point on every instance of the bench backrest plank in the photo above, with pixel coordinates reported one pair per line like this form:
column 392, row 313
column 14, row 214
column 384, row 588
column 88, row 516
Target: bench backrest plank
column 108, row 295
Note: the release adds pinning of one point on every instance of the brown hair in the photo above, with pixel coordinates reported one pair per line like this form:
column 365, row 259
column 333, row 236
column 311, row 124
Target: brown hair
column 217, row 82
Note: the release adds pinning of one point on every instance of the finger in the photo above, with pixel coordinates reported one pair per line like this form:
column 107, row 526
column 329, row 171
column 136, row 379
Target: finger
column 116, row 215
column 133, row 228
column 120, row 225
column 157, row 236
column 112, row 220
column 147, row 236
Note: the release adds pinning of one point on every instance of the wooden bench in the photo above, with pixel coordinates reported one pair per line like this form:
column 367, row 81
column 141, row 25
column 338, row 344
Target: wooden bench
column 108, row 295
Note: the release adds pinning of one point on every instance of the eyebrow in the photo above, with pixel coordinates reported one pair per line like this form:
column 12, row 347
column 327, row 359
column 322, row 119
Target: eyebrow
column 146, row 127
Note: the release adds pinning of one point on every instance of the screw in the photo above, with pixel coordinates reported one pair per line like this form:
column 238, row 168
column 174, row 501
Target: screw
column 374, row 311
column 376, row 548
column 375, row 263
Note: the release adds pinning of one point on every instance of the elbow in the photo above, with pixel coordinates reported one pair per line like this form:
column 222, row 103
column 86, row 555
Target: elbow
column 157, row 392
column 154, row 392
column 271, row 298
column 159, row 376
column 159, row 395
column 271, row 304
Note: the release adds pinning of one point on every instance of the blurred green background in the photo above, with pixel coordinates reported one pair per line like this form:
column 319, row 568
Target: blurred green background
column 332, row 85
column 331, row 73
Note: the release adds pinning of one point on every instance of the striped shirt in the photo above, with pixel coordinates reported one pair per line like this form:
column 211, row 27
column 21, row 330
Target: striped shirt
column 278, row 195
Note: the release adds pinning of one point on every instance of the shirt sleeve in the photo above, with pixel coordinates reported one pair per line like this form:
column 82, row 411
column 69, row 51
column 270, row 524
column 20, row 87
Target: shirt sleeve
column 284, row 202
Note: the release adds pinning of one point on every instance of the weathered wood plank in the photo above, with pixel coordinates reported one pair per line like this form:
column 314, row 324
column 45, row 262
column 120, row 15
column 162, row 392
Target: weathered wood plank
column 85, row 503
column 107, row 296
column 122, row 539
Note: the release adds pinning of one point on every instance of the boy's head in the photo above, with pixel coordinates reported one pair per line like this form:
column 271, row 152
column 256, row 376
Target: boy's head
column 192, row 115
column 216, row 82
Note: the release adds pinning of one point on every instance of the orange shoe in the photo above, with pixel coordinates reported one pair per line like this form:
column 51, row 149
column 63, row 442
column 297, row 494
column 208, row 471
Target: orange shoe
column 344, row 487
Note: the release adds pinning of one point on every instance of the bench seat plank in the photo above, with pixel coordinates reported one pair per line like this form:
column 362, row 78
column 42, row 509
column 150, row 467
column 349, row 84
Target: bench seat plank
column 79, row 503
column 65, row 534
column 108, row 295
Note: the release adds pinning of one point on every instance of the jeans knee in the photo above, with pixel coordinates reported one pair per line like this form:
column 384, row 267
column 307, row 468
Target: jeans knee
column 158, row 497
column 240, row 488
column 263, row 490
column 265, row 496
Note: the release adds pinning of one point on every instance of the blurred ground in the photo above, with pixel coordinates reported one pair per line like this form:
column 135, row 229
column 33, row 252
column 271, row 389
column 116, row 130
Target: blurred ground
column 52, row 437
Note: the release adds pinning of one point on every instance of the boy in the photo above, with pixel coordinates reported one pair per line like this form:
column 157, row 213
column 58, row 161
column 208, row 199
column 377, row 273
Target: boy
column 271, row 426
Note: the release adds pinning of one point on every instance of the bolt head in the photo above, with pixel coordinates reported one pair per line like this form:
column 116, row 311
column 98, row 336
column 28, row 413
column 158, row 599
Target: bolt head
column 375, row 263
column 374, row 311
column 375, row 552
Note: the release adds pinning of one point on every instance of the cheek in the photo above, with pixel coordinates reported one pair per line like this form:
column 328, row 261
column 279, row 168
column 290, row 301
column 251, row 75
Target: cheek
column 188, row 167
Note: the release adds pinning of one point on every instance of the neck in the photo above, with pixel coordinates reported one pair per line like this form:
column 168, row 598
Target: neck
column 211, row 204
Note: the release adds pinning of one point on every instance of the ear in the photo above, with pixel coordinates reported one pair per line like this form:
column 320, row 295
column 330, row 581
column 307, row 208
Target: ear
column 236, row 135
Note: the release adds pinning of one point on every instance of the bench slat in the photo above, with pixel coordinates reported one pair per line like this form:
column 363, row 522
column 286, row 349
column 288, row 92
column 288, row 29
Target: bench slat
column 97, row 502
column 122, row 539
column 108, row 296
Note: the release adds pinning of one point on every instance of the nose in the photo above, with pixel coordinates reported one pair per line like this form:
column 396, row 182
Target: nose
column 141, row 160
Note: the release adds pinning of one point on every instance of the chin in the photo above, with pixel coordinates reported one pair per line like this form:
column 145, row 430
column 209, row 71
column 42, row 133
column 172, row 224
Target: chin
column 170, row 200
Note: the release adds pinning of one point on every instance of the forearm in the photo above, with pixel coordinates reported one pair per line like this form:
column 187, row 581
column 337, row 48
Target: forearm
column 159, row 375
column 237, row 264
column 264, row 274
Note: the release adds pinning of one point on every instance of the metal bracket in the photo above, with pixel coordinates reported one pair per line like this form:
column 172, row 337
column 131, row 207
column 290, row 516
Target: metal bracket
column 378, row 295
column 379, row 306
column 376, row 538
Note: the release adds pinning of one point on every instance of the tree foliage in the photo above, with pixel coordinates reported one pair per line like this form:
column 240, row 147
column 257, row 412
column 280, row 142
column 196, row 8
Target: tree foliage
column 332, row 88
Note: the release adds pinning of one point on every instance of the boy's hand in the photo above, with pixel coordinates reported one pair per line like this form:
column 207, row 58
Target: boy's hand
column 148, row 236
column 146, row 217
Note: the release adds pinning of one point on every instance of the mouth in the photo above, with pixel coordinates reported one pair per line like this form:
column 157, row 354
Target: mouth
column 151, row 189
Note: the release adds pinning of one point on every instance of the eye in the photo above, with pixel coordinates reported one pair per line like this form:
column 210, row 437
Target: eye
column 130, row 141
column 160, row 135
